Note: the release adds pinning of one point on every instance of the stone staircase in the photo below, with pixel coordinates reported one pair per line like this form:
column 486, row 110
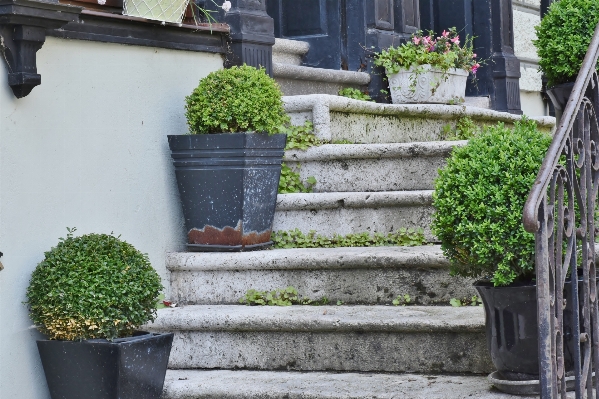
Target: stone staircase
column 358, row 345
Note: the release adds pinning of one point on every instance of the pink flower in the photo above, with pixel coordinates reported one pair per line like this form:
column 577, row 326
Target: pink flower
column 474, row 55
column 475, row 68
column 456, row 40
column 445, row 34
column 416, row 40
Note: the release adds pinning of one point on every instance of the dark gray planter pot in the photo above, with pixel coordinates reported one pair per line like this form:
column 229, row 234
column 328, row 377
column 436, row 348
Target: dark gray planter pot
column 132, row 368
column 228, row 185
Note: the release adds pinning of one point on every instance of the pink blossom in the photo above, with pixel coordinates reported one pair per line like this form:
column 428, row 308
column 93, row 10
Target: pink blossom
column 416, row 40
column 456, row 40
column 474, row 55
column 445, row 34
column 475, row 68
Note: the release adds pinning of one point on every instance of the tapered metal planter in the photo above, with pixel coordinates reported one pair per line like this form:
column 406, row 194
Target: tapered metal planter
column 228, row 185
column 131, row 368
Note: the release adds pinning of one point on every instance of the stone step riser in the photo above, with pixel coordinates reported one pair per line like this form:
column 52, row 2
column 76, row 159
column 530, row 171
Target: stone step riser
column 355, row 168
column 346, row 216
column 419, row 352
column 370, row 286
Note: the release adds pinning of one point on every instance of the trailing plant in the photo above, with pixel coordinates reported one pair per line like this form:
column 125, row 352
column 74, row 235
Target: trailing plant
column 300, row 137
column 290, row 181
column 92, row 286
column 238, row 99
column 355, row 94
column 563, row 38
column 297, row 239
column 279, row 297
column 441, row 53
column 479, row 198
column 465, row 129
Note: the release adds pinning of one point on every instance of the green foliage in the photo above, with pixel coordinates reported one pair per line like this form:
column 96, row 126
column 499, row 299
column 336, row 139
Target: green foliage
column 290, row 181
column 279, row 297
column 465, row 129
column 479, row 198
column 342, row 141
column 239, row 99
column 474, row 301
column 300, row 137
column 402, row 300
column 92, row 286
column 563, row 38
column 443, row 53
column 297, row 239
column 356, row 94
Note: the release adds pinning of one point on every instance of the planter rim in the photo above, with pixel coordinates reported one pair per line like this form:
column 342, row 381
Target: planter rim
column 142, row 335
column 430, row 68
column 223, row 134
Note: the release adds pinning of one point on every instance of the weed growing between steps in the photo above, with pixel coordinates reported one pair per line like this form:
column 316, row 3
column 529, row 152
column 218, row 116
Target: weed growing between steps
column 402, row 300
column 291, row 182
column 464, row 129
column 354, row 94
column 297, row 239
column 280, row 297
column 474, row 301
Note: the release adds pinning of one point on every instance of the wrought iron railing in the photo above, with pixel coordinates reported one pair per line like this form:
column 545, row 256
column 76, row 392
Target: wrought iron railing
column 560, row 211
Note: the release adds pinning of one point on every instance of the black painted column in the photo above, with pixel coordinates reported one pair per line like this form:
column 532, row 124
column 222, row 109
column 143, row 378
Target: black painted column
column 252, row 32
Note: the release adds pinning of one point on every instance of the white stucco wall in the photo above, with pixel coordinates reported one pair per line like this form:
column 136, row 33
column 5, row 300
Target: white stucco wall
column 526, row 17
column 87, row 148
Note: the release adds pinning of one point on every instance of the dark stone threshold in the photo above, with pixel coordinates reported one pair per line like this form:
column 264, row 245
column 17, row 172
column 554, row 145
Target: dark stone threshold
column 115, row 28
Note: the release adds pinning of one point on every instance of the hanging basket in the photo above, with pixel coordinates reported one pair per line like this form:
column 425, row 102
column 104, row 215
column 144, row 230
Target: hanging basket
column 159, row 10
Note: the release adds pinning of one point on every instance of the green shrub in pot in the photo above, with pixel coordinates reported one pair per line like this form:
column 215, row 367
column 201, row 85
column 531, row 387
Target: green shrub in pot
column 92, row 286
column 479, row 197
column 563, row 38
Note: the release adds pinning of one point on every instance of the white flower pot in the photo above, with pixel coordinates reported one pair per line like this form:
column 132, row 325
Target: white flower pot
column 159, row 10
column 430, row 86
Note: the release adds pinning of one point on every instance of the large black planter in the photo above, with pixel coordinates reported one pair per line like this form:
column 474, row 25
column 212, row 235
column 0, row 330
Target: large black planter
column 228, row 185
column 512, row 329
column 125, row 368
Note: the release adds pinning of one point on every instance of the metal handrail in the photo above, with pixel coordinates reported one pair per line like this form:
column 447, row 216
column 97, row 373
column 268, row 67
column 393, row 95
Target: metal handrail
column 539, row 188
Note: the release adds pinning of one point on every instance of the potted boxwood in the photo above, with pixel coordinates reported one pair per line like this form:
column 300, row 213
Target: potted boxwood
column 479, row 197
column 563, row 38
column 89, row 295
column 228, row 167
column 428, row 69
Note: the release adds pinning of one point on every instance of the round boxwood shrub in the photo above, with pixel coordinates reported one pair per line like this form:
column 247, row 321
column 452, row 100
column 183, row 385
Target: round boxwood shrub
column 563, row 38
column 92, row 286
column 479, row 199
column 239, row 99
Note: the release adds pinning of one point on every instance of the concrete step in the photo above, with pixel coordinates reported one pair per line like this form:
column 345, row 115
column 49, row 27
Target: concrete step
column 354, row 212
column 244, row 384
column 302, row 80
column 289, row 52
column 420, row 339
column 340, row 118
column 370, row 275
column 372, row 167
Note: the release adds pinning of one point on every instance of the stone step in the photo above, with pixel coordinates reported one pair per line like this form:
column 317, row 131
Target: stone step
column 339, row 118
column 244, row 384
column 419, row 339
column 372, row 167
column 289, row 52
column 354, row 212
column 369, row 275
column 302, row 80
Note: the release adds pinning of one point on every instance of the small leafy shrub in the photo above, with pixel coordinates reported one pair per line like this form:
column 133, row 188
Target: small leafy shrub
column 465, row 129
column 443, row 53
column 297, row 239
column 279, row 297
column 290, row 181
column 355, row 94
column 300, row 137
column 92, row 286
column 479, row 198
column 239, row 99
column 563, row 38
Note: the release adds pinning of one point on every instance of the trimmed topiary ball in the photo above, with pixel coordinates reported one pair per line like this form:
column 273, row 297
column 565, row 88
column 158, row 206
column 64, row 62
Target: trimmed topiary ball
column 563, row 38
column 479, row 199
column 92, row 286
column 239, row 99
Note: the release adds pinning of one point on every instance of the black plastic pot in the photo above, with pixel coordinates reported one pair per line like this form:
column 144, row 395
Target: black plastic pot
column 125, row 368
column 228, row 185
column 512, row 329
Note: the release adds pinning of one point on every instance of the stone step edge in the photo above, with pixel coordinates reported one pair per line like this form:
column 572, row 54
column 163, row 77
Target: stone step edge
column 321, row 105
column 329, row 318
column 287, row 46
column 335, row 200
column 327, row 152
column 429, row 257
column 243, row 384
column 298, row 72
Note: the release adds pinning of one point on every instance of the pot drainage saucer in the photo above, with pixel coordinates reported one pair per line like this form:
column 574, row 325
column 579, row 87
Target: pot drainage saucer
column 530, row 387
